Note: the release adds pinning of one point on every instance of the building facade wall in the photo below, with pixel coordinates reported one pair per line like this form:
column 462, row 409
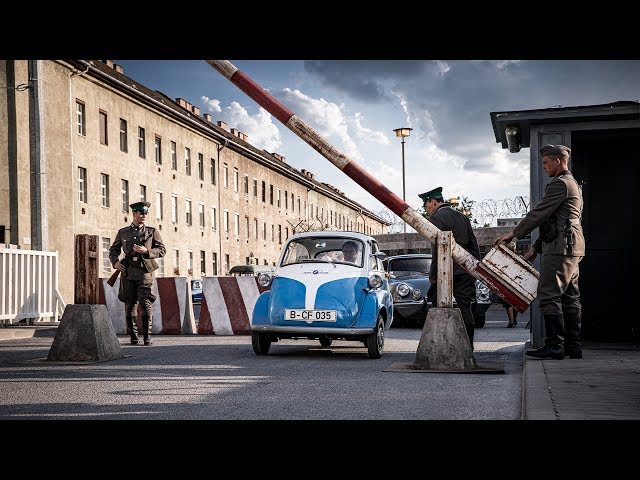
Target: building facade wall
column 69, row 149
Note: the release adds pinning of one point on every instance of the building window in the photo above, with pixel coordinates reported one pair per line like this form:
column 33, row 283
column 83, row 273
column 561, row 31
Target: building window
column 103, row 128
column 158, row 205
column 264, row 191
column 226, row 263
column 299, row 206
column 286, row 200
column 124, row 146
column 278, row 199
column 214, row 263
column 201, row 166
column 225, row 175
column 143, row 193
column 106, row 263
column 201, row 214
column 286, row 233
column 245, row 185
column 190, row 263
column 213, row 171
column 226, row 221
column 158, row 145
column 187, row 209
column 203, row 264
column 82, row 184
column 236, row 226
column 255, row 188
column 264, row 230
column 187, row 160
column 142, row 143
column 246, row 224
column 125, row 195
column 272, row 232
column 81, row 123
column 293, row 208
column 280, row 234
column 271, row 194
column 214, row 222
column 160, row 271
column 174, row 208
column 104, row 189
column 174, row 157
column 176, row 261
column 235, row 179
column 255, row 227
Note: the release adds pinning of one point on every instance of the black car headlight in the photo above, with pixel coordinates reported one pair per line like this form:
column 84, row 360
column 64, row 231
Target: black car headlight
column 417, row 294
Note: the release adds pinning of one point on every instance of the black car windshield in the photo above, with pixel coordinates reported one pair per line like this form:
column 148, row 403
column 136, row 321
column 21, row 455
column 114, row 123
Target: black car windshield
column 409, row 266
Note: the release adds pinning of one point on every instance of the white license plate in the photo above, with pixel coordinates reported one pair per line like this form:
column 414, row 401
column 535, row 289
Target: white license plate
column 310, row 315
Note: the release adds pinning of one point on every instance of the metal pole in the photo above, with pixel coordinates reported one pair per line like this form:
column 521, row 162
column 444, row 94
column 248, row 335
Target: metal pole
column 404, row 223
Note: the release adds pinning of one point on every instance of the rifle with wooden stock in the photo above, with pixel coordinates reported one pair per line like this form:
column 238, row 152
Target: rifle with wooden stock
column 125, row 261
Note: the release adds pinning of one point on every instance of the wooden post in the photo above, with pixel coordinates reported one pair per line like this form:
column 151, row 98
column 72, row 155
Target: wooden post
column 445, row 270
column 86, row 271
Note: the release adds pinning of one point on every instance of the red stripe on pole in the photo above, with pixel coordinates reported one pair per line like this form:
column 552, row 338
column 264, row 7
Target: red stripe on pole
column 205, row 327
column 508, row 295
column 263, row 98
column 235, row 305
column 375, row 188
column 170, row 306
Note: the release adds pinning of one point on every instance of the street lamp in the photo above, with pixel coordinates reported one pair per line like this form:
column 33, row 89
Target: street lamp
column 403, row 132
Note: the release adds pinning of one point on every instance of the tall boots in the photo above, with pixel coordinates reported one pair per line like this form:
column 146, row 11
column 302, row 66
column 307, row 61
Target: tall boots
column 470, row 330
column 147, row 322
column 133, row 330
column 572, row 325
column 554, row 327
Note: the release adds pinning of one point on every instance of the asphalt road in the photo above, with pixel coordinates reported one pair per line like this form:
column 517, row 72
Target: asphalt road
column 194, row 377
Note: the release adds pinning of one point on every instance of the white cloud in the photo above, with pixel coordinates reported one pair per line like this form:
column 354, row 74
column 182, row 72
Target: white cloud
column 212, row 104
column 367, row 134
column 442, row 67
column 262, row 132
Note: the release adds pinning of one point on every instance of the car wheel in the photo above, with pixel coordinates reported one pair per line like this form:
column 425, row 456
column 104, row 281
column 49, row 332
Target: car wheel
column 375, row 341
column 325, row 341
column 478, row 322
column 260, row 342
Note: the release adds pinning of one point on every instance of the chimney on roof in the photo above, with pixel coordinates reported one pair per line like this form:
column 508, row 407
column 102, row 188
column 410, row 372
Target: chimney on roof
column 245, row 138
column 109, row 63
column 207, row 117
column 223, row 125
column 234, row 131
column 195, row 110
column 182, row 102
column 303, row 171
column 189, row 106
column 277, row 155
column 118, row 68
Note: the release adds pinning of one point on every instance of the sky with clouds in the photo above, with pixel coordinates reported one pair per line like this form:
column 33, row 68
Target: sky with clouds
column 356, row 104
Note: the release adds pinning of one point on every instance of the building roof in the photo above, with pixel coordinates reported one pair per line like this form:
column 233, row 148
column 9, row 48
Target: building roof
column 522, row 120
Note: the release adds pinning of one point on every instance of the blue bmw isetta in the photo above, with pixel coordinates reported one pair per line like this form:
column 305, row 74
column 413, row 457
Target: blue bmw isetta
column 327, row 286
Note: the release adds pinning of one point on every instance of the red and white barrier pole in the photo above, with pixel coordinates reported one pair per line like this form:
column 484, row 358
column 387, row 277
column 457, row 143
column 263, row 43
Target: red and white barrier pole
column 502, row 285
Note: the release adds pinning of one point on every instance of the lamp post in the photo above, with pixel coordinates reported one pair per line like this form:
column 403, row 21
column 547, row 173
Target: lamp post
column 403, row 132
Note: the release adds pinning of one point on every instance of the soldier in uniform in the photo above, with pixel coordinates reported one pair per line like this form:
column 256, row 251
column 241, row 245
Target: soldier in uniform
column 446, row 218
column 139, row 243
column 561, row 243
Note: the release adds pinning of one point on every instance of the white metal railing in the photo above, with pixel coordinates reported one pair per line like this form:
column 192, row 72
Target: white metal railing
column 29, row 287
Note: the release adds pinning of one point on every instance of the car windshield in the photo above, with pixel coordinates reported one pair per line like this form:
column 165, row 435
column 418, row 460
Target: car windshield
column 324, row 250
column 409, row 266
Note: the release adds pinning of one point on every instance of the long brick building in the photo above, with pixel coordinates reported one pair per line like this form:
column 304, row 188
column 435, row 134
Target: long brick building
column 81, row 141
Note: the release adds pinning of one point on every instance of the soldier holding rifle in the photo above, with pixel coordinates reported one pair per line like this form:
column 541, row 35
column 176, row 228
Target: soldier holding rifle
column 141, row 245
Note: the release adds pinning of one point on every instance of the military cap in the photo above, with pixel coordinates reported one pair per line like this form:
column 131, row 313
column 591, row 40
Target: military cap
column 555, row 150
column 140, row 207
column 436, row 192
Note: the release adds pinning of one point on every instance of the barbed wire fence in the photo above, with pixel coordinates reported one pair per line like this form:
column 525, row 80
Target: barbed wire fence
column 483, row 213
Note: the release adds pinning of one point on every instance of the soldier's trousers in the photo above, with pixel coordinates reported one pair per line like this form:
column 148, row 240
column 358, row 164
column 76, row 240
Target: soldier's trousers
column 138, row 292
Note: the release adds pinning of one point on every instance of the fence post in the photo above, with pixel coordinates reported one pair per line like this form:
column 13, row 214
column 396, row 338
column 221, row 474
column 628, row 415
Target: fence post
column 86, row 271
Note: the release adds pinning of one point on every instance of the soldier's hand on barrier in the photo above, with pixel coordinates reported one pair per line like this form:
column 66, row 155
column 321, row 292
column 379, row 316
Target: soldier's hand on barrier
column 504, row 238
column 530, row 255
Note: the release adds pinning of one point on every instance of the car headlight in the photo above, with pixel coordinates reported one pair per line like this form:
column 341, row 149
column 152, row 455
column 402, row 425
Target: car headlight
column 264, row 280
column 403, row 290
column 375, row 281
column 484, row 290
column 417, row 294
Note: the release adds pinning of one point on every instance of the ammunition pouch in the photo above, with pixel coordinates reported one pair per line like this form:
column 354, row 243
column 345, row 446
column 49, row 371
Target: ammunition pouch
column 549, row 229
column 150, row 264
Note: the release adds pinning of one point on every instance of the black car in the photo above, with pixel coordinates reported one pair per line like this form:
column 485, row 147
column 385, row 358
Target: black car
column 409, row 283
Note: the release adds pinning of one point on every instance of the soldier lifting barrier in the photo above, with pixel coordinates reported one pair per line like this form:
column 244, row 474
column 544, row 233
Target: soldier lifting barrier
column 504, row 272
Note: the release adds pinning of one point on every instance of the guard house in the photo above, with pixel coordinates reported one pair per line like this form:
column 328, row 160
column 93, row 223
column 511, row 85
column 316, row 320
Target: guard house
column 605, row 153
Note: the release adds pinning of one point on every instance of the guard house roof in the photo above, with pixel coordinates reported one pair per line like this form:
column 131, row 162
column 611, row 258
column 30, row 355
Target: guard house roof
column 522, row 120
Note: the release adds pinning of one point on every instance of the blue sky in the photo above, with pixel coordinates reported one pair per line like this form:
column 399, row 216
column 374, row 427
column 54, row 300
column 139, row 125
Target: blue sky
column 356, row 104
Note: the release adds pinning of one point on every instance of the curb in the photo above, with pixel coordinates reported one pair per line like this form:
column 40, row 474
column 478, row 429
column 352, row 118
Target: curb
column 537, row 403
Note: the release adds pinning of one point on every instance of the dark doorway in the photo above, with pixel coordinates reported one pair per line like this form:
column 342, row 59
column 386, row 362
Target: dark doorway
column 607, row 162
